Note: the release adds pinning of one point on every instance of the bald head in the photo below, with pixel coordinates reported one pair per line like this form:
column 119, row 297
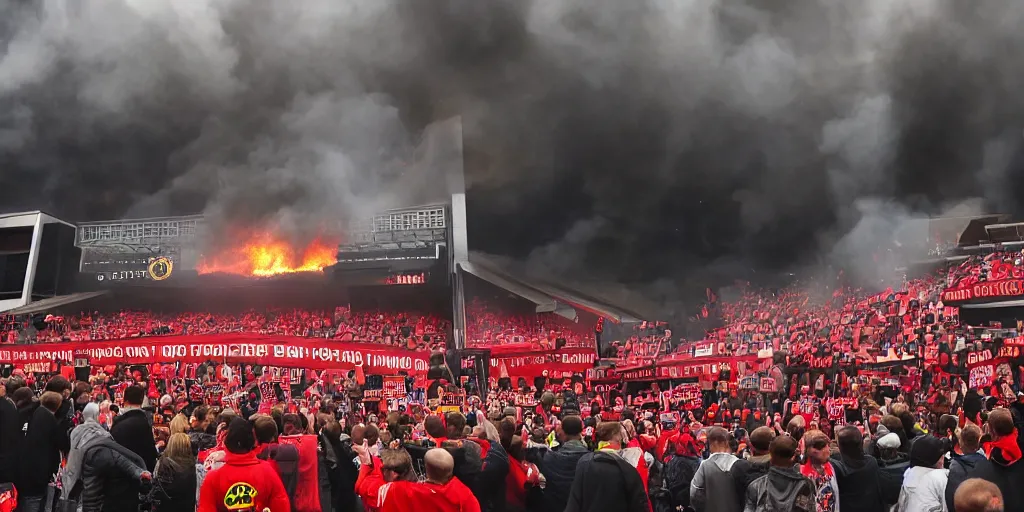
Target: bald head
column 440, row 465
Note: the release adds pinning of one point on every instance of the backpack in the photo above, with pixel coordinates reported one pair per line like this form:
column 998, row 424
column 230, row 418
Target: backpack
column 679, row 472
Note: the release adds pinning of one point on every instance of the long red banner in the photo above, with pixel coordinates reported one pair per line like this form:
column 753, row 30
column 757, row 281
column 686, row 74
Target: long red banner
column 264, row 350
column 564, row 360
column 984, row 290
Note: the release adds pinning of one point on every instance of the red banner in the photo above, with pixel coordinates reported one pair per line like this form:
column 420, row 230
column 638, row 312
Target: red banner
column 264, row 350
column 566, row 360
column 984, row 290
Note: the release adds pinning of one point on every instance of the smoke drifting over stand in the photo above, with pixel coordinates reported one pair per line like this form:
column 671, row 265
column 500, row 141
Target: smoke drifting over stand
column 640, row 141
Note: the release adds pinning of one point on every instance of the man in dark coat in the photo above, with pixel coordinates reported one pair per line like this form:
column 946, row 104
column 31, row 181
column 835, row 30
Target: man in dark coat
column 963, row 465
column 604, row 480
column 111, row 478
column 45, row 441
column 857, row 474
column 559, row 465
column 11, row 436
column 133, row 428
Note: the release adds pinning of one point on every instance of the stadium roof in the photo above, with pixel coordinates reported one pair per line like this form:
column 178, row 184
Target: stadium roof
column 52, row 303
column 552, row 295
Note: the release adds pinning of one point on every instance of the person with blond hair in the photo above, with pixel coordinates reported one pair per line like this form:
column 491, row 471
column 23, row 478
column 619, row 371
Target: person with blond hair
column 179, row 424
column 178, row 476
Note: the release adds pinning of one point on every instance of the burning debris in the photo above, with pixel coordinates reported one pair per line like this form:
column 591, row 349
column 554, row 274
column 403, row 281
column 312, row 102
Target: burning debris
column 264, row 254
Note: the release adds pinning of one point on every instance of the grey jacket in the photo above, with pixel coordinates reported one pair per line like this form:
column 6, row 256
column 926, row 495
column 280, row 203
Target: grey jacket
column 718, row 484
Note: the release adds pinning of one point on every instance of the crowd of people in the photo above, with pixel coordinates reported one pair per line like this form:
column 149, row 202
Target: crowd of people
column 65, row 441
column 487, row 326
column 403, row 329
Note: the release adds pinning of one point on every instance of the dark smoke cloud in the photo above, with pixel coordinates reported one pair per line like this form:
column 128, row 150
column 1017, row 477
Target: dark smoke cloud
column 646, row 141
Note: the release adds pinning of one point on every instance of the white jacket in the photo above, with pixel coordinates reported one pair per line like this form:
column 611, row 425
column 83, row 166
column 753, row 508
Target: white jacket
column 924, row 490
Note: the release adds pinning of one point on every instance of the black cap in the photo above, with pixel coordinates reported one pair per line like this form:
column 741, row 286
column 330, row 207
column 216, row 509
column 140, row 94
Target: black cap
column 925, row 451
column 240, row 437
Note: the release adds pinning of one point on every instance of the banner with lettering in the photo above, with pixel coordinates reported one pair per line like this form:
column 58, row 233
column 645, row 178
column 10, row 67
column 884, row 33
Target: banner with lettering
column 267, row 351
column 394, row 387
column 556, row 363
column 986, row 290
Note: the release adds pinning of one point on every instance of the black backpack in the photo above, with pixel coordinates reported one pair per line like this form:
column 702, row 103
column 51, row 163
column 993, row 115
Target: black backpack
column 679, row 472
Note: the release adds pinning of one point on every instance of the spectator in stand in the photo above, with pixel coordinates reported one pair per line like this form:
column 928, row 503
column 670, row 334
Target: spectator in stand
column 604, row 480
column 441, row 492
column 818, row 468
column 964, row 465
column 179, row 476
column 199, row 437
column 133, row 427
column 243, row 482
column 977, row 495
column 857, row 475
column 558, row 465
column 44, row 443
column 717, row 485
column 1003, row 467
column 760, row 458
column 60, row 384
column 924, row 484
column 11, row 436
column 110, row 475
column 783, row 489
column 682, row 464
column 283, row 457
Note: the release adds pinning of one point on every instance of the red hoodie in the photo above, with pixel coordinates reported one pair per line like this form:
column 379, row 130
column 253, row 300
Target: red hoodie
column 403, row 496
column 243, row 483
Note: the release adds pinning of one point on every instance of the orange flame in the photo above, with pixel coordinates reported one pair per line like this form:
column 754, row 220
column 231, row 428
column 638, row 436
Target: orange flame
column 264, row 255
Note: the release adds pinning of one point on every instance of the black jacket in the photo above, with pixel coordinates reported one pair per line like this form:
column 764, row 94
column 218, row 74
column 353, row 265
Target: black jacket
column 491, row 481
column 605, row 482
column 110, row 478
column 43, row 445
column 176, row 487
column 1007, row 474
column 959, row 468
column 679, row 471
column 134, row 430
column 11, row 439
column 558, row 467
column 756, row 469
column 781, row 490
column 860, row 486
column 891, row 476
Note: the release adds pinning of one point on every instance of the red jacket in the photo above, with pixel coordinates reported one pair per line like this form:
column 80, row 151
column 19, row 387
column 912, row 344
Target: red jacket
column 403, row 496
column 244, row 483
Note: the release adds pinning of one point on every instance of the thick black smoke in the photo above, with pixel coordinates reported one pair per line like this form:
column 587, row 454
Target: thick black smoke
column 642, row 140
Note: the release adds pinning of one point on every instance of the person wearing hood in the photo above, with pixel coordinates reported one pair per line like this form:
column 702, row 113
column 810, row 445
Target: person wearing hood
column 717, row 485
column 963, row 465
column 682, row 465
column 783, row 489
column 890, row 459
column 924, row 484
column 104, row 475
column 606, row 481
column 1003, row 467
column 243, row 482
column 861, row 484
column 133, row 427
column 178, row 475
